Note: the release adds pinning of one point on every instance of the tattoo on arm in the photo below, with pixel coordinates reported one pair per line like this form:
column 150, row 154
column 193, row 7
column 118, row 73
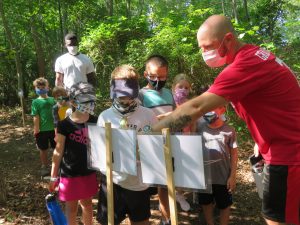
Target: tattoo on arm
column 179, row 124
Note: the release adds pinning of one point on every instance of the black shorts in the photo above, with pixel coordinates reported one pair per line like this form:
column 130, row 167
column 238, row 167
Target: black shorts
column 135, row 204
column 153, row 190
column 43, row 138
column 281, row 193
column 220, row 195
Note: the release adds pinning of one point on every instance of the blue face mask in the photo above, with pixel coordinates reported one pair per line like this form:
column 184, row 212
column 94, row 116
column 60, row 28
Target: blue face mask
column 210, row 117
column 41, row 91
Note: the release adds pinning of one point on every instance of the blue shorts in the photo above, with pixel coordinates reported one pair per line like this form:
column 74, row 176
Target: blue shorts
column 220, row 195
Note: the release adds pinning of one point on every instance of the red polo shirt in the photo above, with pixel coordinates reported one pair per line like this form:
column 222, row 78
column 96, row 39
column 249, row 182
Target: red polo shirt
column 266, row 94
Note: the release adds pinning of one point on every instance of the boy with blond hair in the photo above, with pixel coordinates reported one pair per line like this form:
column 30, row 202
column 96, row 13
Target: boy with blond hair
column 130, row 192
column 43, row 126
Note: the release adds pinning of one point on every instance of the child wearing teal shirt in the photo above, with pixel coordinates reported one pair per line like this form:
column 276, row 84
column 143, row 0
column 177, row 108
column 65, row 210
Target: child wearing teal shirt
column 160, row 100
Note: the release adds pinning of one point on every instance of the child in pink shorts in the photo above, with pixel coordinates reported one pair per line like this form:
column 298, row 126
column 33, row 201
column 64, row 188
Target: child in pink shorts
column 77, row 183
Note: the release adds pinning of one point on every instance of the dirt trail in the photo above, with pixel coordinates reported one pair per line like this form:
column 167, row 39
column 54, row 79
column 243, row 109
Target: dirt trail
column 19, row 163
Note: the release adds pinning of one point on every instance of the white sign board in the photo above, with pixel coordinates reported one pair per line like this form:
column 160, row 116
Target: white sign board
column 123, row 147
column 187, row 155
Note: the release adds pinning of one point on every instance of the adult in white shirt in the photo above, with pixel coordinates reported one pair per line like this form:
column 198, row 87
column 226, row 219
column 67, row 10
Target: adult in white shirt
column 73, row 67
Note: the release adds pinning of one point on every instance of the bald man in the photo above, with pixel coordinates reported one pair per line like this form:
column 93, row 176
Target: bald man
column 266, row 95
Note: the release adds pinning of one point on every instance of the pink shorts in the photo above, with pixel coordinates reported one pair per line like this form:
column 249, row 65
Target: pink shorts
column 76, row 188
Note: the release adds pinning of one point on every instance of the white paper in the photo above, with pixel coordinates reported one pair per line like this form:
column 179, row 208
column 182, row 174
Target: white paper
column 96, row 150
column 123, row 147
column 188, row 160
column 189, row 166
column 152, row 159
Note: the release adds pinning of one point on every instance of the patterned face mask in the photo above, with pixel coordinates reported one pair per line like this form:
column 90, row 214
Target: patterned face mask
column 86, row 107
column 180, row 95
column 210, row 117
column 124, row 108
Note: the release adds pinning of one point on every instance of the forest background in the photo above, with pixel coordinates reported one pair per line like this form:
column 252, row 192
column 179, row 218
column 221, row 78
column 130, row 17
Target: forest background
column 114, row 32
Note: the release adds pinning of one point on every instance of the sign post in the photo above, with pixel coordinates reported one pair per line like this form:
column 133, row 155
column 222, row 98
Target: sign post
column 109, row 179
column 170, row 177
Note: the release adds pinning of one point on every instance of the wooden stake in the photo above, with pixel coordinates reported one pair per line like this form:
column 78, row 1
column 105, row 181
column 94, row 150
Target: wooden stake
column 109, row 179
column 170, row 177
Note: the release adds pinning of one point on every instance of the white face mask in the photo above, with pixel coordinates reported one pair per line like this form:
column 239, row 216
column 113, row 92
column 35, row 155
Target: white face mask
column 213, row 59
column 73, row 50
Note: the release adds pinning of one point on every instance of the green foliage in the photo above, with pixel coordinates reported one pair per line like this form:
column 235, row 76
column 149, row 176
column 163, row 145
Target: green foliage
column 291, row 26
column 273, row 15
column 133, row 33
column 247, row 33
column 107, row 43
column 238, row 124
column 290, row 55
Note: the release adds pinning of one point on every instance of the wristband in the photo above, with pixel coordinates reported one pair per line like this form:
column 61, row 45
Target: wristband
column 53, row 179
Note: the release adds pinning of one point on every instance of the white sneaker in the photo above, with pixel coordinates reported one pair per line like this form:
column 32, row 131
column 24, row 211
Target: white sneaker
column 185, row 206
column 44, row 171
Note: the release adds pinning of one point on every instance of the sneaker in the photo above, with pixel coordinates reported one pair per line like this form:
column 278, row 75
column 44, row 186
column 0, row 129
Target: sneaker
column 44, row 171
column 195, row 198
column 185, row 206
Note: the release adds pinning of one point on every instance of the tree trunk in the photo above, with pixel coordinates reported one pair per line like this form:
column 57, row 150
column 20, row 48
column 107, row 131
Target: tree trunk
column 141, row 7
column 61, row 27
column 3, row 192
column 246, row 10
column 128, row 8
column 234, row 11
column 223, row 7
column 273, row 19
column 15, row 49
column 39, row 50
column 110, row 7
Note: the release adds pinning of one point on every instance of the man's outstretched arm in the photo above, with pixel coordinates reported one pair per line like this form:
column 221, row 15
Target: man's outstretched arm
column 190, row 111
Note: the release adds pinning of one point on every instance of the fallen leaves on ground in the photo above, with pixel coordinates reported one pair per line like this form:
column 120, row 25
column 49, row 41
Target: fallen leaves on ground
column 26, row 192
